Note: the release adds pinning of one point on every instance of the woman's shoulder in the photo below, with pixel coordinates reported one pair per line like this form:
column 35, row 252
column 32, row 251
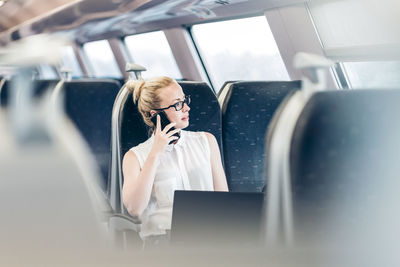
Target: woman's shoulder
column 139, row 152
column 203, row 137
column 197, row 134
column 144, row 146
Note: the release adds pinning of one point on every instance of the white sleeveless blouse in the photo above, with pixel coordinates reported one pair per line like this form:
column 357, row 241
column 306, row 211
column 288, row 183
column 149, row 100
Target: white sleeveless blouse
column 183, row 166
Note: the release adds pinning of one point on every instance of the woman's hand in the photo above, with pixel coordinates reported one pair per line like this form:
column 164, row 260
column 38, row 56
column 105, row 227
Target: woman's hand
column 162, row 138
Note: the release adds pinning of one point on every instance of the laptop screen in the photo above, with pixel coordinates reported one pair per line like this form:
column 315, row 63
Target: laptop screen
column 208, row 217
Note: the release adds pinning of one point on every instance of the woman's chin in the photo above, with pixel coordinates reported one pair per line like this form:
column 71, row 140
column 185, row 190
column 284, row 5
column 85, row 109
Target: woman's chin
column 184, row 124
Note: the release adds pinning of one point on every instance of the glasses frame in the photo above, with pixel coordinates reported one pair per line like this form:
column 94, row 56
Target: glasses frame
column 187, row 100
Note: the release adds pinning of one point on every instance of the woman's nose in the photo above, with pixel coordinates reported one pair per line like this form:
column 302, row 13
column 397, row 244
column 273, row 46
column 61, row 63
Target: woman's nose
column 186, row 107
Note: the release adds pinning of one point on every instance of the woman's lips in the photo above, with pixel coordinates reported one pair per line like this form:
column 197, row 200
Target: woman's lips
column 186, row 118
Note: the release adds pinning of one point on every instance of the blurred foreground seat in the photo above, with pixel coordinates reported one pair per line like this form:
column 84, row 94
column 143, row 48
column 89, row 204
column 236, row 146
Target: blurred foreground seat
column 336, row 186
column 50, row 200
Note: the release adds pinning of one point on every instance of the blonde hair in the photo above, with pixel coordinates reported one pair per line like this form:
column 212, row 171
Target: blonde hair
column 145, row 95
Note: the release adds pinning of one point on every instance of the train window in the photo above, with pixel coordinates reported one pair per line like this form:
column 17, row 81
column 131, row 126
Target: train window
column 383, row 74
column 70, row 62
column 102, row 59
column 47, row 72
column 153, row 52
column 241, row 49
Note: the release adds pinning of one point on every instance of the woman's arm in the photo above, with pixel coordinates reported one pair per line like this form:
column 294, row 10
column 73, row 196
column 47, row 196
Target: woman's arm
column 138, row 183
column 218, row 173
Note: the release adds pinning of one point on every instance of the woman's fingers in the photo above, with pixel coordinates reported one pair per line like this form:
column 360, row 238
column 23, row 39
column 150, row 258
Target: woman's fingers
column 171, row 133
column 158, row 126
column 169, row 126
column 172, row 138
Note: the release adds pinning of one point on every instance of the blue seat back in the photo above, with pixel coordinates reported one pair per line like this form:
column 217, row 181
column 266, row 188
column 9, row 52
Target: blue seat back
column 89, row 105
column 133, row 130
column 246, row 113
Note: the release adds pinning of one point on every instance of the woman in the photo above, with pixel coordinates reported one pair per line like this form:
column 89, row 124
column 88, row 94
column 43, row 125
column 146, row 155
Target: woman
column 153, row 170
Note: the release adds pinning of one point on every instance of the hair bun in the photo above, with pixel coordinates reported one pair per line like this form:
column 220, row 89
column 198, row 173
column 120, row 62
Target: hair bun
column 136, row 88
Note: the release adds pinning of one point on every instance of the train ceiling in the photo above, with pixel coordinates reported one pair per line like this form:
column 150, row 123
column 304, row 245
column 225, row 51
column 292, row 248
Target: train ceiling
column 88, row 20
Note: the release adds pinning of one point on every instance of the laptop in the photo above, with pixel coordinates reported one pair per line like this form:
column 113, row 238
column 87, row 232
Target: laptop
column 209, row 217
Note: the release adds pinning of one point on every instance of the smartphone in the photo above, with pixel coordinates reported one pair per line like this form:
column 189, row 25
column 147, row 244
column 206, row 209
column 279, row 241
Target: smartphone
column 164, row 122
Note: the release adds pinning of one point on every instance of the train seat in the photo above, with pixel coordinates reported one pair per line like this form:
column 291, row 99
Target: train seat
column 39, row 87
column 246, row 113
column 89, row 105
column 223, row 92
column 342, row 170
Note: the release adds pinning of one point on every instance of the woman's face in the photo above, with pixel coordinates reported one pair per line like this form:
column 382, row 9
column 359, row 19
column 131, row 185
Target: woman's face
column 169, row 96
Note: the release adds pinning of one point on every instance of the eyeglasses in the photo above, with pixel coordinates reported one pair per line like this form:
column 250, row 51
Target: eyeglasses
column 178, row 105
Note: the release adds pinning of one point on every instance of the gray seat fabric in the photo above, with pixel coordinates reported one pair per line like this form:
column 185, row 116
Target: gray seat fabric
column 344, row 163
column 246, row 113
column 89, row 105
